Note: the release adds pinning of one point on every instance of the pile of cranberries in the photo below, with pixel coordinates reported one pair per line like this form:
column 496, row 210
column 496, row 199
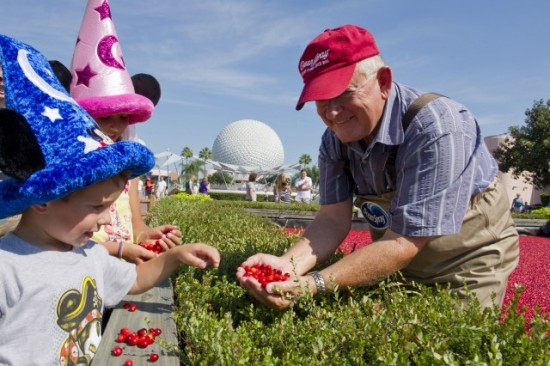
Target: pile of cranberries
column 155, row 248
column 142, row 338
column 265, row 274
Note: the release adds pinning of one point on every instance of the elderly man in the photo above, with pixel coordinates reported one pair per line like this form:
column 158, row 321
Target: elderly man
column 417, row 167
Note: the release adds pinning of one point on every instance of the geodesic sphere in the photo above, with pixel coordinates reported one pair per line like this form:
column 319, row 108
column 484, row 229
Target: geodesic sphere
column 249, row 143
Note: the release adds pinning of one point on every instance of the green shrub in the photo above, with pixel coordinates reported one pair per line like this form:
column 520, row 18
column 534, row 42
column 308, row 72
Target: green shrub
column 387, row 324
column 545, row 199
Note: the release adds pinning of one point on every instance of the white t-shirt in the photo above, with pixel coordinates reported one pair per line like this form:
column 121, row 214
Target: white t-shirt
column 161, row 188
column 303, row 194
column 52, row 303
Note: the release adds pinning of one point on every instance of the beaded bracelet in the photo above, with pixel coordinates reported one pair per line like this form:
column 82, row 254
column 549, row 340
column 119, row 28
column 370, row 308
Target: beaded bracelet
column 319, row 282
column 119, row 252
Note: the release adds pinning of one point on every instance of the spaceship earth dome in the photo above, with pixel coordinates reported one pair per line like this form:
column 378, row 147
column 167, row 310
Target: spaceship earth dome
column 248, row 143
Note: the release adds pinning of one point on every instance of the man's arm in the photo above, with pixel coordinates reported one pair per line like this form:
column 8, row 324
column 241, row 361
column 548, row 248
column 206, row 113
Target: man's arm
column 319, row 241
column 373, row 262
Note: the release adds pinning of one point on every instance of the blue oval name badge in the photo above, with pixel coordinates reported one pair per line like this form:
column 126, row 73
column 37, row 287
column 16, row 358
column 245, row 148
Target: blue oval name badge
column 375, row 215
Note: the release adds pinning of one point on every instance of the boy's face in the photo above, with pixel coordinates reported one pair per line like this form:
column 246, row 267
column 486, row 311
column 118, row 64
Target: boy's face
column 74, row 219
column 114, row 125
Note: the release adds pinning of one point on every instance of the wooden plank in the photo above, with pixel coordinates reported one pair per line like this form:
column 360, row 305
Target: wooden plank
column 154, row 310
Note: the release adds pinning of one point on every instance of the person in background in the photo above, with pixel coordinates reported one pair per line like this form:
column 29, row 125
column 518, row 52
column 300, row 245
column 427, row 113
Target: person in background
column 278, row 185
column 204, row 187
column 418, row 168
column 303, row 187
column 52, row 314
column 251, row 187
column 161, row 188
column 149, row 186
column 517, row 204
column 140, row 187
column 190, row 185
column 117, row 102
column 285, row 195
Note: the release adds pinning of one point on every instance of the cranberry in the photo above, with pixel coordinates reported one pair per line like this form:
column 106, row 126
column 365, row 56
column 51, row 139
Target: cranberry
column 264, row 273
column 153, row 357
column 117, row 351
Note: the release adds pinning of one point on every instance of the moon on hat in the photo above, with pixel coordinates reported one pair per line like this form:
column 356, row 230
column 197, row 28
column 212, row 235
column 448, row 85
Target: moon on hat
column 30, row 73
column 105, row 52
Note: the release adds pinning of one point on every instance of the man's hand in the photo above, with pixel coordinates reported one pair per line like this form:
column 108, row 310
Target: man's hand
column 276, row 295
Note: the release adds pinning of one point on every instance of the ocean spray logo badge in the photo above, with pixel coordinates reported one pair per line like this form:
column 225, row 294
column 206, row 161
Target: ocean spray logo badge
column 375, row 215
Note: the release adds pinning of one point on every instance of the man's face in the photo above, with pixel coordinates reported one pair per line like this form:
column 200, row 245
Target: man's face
column 303, row 174
column 354, row 114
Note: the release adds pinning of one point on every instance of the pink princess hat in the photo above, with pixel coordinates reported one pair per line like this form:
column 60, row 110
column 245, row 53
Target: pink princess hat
column 100, row 81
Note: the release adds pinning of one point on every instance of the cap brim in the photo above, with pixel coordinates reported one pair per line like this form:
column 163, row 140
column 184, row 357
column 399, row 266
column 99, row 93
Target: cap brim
column 137, row 106
column 59, row 180
column 326, row 86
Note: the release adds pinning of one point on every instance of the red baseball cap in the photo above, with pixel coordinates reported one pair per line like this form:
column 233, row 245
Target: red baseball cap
column 328, row 62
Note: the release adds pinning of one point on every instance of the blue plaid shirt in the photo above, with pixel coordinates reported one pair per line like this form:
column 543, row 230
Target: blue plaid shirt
column 441, row 163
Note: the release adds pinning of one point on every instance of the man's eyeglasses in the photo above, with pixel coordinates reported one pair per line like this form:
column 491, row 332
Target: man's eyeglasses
column 347, row 96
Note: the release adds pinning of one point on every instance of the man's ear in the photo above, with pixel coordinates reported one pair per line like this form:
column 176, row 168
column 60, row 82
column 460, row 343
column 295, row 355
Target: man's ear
column 385, row 79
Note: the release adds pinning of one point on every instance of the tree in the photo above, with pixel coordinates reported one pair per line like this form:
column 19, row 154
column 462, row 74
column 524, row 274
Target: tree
column 205, row 154
column 528, row 147
column 186, row 152
column 313, row 173
column 192, row 167
column 305, row 160
column 220, row 178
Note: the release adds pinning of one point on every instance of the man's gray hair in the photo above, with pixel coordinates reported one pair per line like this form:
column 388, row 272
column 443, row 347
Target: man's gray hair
column 370, row 66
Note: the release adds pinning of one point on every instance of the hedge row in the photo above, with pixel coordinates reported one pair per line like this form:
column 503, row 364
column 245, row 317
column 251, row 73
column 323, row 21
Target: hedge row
column 388, row 324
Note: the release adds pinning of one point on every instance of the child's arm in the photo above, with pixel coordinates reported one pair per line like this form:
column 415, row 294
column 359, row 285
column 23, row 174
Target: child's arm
column 128, row 251
column 153, row 272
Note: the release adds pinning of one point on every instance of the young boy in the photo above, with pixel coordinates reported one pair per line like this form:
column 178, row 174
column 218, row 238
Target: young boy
column 64, row 175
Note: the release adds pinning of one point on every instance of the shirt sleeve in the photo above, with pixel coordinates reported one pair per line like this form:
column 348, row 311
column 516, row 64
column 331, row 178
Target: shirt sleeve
column 436, row 171
column 119, row 278
column 335, row 181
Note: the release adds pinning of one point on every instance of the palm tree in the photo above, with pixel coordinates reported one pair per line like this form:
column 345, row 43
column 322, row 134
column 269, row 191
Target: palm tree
column 186, row 153
column 204, row 154
column 304, row 160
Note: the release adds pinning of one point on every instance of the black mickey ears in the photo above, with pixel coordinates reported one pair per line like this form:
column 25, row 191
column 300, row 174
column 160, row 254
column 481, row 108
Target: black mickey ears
column 20, row 153
column 148, row 86
column 144, row 84
column 63, row 74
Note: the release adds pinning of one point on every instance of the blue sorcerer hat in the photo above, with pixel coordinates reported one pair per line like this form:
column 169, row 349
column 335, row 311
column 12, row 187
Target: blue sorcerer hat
column 49, row 145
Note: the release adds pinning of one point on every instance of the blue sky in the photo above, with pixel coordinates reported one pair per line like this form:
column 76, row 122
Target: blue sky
column 223, row 61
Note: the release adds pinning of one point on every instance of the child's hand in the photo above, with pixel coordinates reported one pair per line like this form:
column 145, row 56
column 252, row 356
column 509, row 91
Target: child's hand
column 168, row 236
column 136, row 254
column 198, row 255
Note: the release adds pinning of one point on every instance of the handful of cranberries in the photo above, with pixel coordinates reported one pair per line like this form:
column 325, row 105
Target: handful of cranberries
column 265, row 274
column 155, row 248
